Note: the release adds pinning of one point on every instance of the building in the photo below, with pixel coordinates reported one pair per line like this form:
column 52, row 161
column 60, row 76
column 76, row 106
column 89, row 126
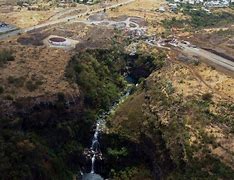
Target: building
column 216, row 4
column 161, row 9
column 2, row 25
column 208, row 3
column 67, row 1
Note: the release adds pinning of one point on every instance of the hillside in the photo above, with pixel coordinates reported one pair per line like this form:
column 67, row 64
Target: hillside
column 180, row 122
column 118, row 89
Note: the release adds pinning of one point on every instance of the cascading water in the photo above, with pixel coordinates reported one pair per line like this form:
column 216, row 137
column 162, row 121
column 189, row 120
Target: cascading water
column 95, row 147
column 93, row 161
column 94, row 152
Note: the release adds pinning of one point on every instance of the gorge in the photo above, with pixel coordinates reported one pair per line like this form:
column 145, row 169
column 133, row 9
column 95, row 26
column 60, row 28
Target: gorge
column 150, row 135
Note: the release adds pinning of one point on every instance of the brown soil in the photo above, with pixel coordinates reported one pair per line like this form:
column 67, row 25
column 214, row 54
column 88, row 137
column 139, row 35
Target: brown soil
column 41, row 65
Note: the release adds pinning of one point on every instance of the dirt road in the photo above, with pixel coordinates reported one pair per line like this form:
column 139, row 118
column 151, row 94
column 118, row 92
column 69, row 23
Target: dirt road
column 63, row 20
column 213, row 58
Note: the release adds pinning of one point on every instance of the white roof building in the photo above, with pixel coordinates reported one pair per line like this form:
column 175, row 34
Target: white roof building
column 161, row 9
column 191, row 1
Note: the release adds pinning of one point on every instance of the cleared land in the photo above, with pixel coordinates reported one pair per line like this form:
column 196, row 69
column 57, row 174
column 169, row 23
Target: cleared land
column 25, row 18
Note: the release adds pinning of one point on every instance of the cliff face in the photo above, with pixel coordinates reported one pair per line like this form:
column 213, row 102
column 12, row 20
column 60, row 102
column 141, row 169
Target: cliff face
column 181, row 134
column 28, row 106
column 43, row 137
column 53, row 130
column 173, row 126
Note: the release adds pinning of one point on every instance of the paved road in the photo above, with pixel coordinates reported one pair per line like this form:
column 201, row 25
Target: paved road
column 213, row 58
column 63, row 20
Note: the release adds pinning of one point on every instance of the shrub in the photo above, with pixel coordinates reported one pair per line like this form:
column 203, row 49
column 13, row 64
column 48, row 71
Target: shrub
column 199, row 19
column 5, row 56
column 1, row 89
column 61, row 96
column 16, row 81
column 207, row 97
column 33, row 84
column 96, row 73
column 9, row 97
column 30, row 85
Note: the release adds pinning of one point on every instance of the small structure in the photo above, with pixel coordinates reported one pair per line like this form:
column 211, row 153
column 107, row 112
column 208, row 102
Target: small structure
column 173, row 7
column 206, row 10
column 217, row 4
column 90, row 2
column 2, row 24
column 66, row 1
column 161, row 9
column 207, row 3
column 60, row 42
column 192, row 2
column 4, row 28
column 33, row 8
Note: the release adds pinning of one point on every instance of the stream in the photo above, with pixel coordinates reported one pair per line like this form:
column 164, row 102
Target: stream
column 94, row 152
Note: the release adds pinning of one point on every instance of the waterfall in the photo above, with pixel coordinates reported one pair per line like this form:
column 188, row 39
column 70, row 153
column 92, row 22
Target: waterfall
column 94, row 152
column 93, row 161
column 95, row 147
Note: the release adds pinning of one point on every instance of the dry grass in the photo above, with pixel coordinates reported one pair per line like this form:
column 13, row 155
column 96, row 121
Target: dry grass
column 147, row 10
column 129, row 117
column 25, row 18
column 46, row 65
column 190, row 79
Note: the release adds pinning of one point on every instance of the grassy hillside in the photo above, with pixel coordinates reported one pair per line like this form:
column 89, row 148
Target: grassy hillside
column 189, row 137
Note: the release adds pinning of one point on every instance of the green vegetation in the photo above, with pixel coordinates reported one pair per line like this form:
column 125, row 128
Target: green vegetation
column 207, row 167
column 16, row 81
column 97, row 72
column 44, row 144
column 144, row 64
column 225, row 115
column 149, row 134
column 46, row 141
column 1, row 89
column 207, row 97
column 117, row 153
column 132, row 173
column 199, row 19
column 202, row 19
column 19, row 82
column 5, row 56
column 168, row 121
column 25, row 156
column 33, row 85
column 9, row 97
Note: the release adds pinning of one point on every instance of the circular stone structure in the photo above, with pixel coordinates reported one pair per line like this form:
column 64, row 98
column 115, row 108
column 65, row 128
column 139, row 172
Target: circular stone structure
column 58, row 41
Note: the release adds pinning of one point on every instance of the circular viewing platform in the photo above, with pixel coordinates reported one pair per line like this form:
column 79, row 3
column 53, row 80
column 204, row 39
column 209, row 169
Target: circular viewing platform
column 58, row 41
